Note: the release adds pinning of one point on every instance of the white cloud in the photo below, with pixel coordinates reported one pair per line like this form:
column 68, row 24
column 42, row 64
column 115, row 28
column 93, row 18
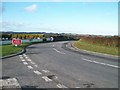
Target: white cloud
column 31, row 8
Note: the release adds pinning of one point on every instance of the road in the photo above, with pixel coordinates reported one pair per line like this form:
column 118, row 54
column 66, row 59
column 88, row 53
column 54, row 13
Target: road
column 52, row 65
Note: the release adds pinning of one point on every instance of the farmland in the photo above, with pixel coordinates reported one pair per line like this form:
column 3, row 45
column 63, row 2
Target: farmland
column 107, row 45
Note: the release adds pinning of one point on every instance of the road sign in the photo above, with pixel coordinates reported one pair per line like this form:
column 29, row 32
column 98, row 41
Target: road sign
column 17, row 42
column 51, row 38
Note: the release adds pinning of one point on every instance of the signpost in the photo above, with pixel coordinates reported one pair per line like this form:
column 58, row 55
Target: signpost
column 16, row 42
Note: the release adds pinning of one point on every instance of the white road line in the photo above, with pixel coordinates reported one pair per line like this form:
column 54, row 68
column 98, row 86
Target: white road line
column 32, row 62
column 30, row 67
column 36, row 65
column 101, row 63
column 58, row 51
column 20, row 55
column 37, row 72
column 9, row 83
column 46, row 71
column 29, row 60
column 25, row 63
column 46, row 79
column 61, row 86
column 22, row 60
column 24, row 55
column 77, row 87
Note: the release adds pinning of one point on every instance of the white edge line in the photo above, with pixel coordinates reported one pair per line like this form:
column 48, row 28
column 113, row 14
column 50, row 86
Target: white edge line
column 101, row 63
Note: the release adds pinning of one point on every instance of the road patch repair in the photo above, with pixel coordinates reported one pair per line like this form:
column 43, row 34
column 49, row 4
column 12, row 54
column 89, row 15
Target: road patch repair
column 9, row 83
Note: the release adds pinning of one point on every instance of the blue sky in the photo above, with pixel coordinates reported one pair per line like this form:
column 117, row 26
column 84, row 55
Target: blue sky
column 99, row 18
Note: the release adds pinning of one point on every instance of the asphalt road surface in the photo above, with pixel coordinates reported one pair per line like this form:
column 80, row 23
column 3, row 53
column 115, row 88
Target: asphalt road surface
column 52, row 65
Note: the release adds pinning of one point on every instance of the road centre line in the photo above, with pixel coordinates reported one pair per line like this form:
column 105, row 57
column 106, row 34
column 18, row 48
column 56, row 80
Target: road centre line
column 58, row 51
column 61, row 86
column 46, row 79
column 101, row 63
column 30, row 67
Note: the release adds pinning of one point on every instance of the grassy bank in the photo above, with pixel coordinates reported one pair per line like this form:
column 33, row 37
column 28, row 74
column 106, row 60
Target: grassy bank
column 11, row 49
column 96, row 48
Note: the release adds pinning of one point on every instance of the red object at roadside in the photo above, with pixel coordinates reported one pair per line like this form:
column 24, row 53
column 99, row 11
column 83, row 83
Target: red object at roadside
column 17, row 41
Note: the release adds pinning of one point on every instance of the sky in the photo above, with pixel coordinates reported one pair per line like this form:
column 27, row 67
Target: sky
column 98, row 18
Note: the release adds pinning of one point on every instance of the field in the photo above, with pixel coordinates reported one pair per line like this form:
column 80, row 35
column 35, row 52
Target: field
column 106, row 45
column 11, row 49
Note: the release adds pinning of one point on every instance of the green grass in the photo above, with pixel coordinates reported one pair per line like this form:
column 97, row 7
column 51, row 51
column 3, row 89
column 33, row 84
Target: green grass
column 96, row 48
column 11, row 49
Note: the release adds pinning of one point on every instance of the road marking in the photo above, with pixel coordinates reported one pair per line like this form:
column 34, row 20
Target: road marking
column 46, row 71
column 25, row 63
column 30, row 67
column 32, row 62
column 101, row 63
column 24, row 55
column 20, row 55
column 29, row 60
column 9, row 83
column 37, row 72
column 46, row 79
column 77, row 87
column 53, row 46
column 23, row 60
column 58, row 51
column 36, row 65
column 61, row 86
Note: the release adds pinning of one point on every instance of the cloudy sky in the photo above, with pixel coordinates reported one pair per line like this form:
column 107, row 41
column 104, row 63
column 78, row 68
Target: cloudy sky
column 99, row 18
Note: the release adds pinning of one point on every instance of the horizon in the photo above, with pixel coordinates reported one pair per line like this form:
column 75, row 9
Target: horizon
column 98, row 18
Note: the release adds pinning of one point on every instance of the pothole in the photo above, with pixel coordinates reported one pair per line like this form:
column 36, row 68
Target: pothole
column 88, row 85
column 5, row 77
column 52, row 77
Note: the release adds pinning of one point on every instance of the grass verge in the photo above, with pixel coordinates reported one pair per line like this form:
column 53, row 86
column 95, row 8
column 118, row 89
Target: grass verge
column 96, row 48
column 11, row 49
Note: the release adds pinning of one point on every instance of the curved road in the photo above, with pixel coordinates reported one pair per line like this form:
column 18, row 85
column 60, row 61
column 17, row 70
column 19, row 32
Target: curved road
column 52, row 65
